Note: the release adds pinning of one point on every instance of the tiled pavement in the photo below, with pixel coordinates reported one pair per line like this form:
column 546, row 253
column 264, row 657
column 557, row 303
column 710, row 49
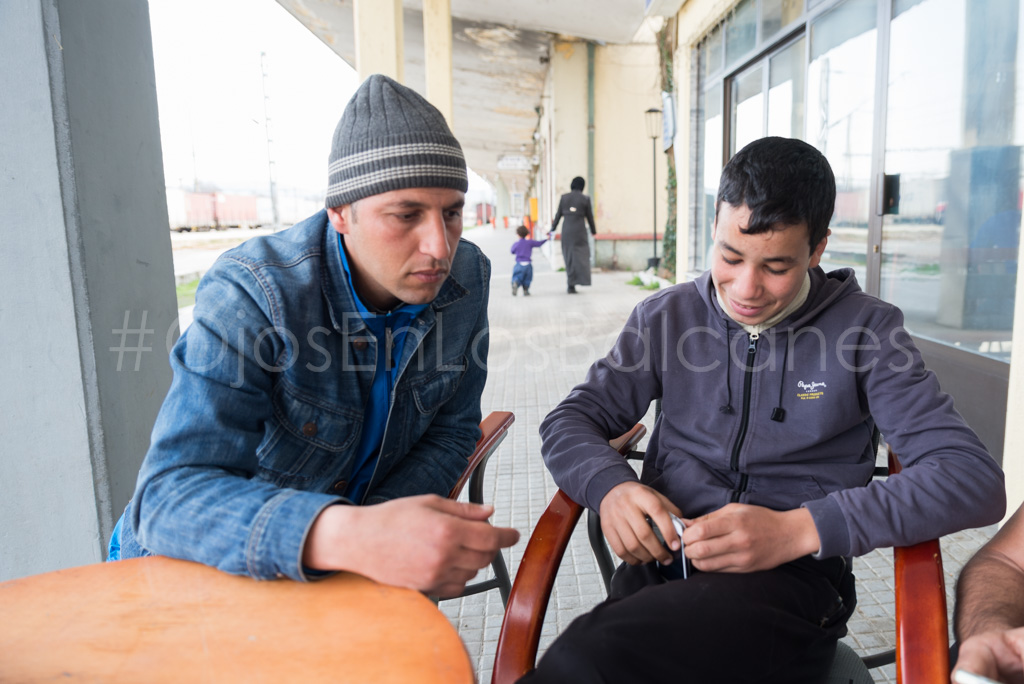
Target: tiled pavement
column 540, row 347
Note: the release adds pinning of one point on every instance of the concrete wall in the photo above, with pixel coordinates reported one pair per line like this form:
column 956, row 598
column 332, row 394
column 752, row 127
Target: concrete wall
column 85, row 245
column 568, row 116
column 627, row 85
column 624, row 255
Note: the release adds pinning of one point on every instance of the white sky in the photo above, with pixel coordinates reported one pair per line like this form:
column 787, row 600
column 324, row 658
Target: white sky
column 210, row 94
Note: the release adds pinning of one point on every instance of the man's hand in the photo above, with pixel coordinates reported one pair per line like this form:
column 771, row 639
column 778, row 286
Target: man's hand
column 744, row 538
column 426, row 543
column 996, row 654
column 624, row 511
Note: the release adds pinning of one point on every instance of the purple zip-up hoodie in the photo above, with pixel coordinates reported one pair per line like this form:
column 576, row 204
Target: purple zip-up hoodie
column 782, row 420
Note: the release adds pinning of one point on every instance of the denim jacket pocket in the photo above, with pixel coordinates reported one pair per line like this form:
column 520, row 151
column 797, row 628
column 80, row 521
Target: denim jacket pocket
column 432, row 390
column 306, row 438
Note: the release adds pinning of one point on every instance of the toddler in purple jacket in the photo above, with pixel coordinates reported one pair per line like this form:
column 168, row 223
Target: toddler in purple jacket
column 522, row 273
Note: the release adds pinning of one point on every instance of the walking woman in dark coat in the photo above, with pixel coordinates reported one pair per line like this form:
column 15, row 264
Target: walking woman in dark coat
column 575, row 207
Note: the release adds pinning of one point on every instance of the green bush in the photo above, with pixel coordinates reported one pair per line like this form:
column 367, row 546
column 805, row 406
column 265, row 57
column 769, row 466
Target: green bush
column 187, row 293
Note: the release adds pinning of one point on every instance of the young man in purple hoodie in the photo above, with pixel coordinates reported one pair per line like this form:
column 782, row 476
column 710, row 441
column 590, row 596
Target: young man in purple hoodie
column 773, row 376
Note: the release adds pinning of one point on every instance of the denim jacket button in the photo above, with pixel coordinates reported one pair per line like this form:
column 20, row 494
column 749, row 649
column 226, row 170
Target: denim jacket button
column 360, row 344
column 340, row 485
column 309, row 429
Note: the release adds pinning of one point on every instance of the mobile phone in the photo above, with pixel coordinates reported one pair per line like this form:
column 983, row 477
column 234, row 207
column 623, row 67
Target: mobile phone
column 680, row 567
column 965, row 677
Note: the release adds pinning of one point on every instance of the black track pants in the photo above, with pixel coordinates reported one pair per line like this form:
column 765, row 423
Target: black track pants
column 777, row 626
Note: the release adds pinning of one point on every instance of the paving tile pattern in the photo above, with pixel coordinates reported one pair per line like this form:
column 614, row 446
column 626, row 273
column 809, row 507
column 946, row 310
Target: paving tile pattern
column 541, row 347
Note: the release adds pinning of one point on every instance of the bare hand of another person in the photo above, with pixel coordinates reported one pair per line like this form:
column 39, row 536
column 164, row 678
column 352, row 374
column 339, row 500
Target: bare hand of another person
column 624, row 512
column 745, row 538
column 998, row 655
column 426, row 543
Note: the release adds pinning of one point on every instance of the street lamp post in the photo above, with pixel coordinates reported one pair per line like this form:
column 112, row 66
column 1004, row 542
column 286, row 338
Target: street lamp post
column 653, row 120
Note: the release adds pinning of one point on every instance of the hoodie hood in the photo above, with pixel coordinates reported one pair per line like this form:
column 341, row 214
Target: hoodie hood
column 826, row 289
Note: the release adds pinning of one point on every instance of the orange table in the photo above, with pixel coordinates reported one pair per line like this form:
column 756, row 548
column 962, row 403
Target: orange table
column 163, row 620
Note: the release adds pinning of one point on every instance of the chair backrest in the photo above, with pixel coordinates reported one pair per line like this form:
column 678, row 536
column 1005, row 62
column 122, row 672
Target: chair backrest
column 493, row 431
column 527, row 604
column 921, row 653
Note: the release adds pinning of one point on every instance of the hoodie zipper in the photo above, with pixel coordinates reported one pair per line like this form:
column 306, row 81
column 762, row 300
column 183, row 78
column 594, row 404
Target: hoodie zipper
column 748, row 375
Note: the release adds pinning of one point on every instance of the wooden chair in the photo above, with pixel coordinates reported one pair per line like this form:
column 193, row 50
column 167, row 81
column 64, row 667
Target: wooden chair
column 494, row 429
column 524, row 613
column 922, row 647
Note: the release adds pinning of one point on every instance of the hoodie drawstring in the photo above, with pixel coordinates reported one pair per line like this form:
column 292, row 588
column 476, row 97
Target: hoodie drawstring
column 779, row 413
column 726, row 408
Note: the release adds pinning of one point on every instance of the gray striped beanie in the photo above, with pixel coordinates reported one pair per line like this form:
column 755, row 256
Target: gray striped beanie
column 390, row 138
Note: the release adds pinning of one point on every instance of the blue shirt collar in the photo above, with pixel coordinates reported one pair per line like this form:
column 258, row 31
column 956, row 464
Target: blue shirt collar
column 410, row 309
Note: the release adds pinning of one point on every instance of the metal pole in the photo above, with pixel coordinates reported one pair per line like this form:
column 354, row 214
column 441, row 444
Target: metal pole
column 654, row 184
column 275, row 214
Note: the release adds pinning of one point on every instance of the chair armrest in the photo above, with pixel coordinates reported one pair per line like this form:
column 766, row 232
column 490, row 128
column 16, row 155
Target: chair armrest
column 516, row 652
column 494, row 429
column 625, row 442
column 922, row 629
column 922, row 632
column 528, row 602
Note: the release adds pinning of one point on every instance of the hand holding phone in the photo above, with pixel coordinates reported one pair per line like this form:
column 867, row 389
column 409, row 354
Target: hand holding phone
column 680, row 567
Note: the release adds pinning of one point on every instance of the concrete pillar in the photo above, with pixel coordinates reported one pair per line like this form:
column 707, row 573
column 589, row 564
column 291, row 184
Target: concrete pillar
column 379, row 38
column 1013, row 444
column 437, row 53
column 86, row 274
column 502, row 202
column 569, row 115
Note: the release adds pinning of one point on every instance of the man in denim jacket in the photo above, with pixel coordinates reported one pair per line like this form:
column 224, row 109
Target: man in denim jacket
column 337, row 363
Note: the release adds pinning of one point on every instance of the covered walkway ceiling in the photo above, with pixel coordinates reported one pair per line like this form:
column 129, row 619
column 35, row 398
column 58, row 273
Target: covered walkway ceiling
column 499, row 55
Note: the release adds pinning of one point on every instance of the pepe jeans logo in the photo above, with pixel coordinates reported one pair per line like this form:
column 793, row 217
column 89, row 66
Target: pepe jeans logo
column 810, row 390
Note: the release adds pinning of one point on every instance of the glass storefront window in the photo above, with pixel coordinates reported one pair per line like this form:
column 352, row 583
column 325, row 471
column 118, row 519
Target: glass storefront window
column 746, row 112
column 841, row 103
column 714, row 51
column 778, row 14
column 712, row 169
column 740, row 31
column 786, row 92
column 949, row 256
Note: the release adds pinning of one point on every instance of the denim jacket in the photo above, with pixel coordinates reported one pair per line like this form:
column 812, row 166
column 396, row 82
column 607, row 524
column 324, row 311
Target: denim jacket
column 259, row 430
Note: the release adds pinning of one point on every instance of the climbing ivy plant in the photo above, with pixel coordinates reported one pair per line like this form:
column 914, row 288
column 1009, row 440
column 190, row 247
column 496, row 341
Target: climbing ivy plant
column 666, row 47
